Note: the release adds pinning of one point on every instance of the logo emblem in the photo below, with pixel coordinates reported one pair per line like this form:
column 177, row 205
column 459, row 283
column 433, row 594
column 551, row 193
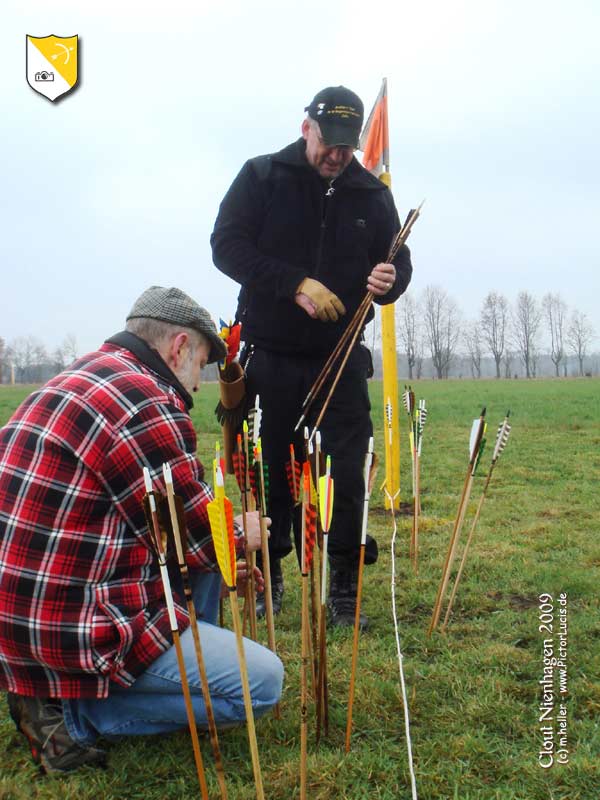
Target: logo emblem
column 52, row 64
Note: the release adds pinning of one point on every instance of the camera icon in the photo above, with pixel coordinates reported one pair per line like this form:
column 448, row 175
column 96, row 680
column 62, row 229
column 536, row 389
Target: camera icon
column 44, row 76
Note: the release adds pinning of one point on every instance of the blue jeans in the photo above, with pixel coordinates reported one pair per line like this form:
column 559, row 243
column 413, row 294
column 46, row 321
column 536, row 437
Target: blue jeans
column 155, row 704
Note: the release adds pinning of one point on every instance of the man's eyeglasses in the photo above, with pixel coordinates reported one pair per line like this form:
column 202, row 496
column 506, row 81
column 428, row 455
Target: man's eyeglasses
column 345, row 148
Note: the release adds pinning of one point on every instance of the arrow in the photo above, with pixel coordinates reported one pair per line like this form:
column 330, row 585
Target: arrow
column 307, row 545
column 220, row 515
column 476, row 445
column 240, row 462
column 350, row 334
column 264, row 542
column 159, row 548
column 326, row 495
column 361, row 564
column 187, row 589
column 420, row 416
column 501, row 441
column 293, row 469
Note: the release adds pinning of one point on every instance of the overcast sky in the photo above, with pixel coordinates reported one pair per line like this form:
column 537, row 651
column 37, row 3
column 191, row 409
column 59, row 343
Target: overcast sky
column 494, row 117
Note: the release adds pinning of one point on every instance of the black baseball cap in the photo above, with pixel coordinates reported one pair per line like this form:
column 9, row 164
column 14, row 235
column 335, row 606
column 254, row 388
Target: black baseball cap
column 340, row 115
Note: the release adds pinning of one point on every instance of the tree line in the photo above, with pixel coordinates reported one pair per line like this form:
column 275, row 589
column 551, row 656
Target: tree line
column 431, row 333
column 516, row 338
column 26, row 360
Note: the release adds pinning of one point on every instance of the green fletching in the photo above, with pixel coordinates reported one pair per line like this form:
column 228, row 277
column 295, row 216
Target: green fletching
column 479, row 454
column 266, row 481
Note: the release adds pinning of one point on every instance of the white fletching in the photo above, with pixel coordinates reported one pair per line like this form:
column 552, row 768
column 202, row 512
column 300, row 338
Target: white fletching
column 256, row 420
column 367, row 472
column 406, row 400
column 501, row 439
column 475, row 438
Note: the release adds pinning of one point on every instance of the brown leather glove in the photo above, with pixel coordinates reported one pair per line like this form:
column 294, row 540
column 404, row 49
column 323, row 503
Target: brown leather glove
column 328, row 305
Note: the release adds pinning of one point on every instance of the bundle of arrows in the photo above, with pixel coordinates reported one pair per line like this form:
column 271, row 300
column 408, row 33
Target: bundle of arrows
column 258, row 474
column 220, row 515
column 476, row 447
column 307, row 548
column 501, row 441
column 417, row 416
column 342, row 350
column 325, row 502
column 159, row 545
column 242, row 466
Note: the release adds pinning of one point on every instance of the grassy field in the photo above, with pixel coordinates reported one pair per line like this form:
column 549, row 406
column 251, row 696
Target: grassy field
column 474, row 693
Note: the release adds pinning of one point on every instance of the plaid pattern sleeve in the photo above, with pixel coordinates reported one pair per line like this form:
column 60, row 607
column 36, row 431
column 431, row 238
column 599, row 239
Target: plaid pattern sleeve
column 81, row 600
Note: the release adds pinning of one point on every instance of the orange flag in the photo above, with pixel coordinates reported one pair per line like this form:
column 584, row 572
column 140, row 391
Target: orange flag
column 374, row 140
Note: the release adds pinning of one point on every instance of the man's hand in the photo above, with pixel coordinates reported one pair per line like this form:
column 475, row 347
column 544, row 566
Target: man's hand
column 381, row 279
column 242, row 580
column 316, row 299
column 252, row 529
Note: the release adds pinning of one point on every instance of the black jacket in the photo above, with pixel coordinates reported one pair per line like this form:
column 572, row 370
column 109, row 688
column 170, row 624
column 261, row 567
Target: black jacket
column 281, row 222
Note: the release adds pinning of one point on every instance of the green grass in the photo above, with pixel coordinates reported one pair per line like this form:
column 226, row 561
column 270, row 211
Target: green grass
column 473, row 693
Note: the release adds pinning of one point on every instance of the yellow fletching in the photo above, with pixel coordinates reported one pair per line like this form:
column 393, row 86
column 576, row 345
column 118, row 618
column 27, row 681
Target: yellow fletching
column 313, row 491
column 325, row 501
column 220, row 516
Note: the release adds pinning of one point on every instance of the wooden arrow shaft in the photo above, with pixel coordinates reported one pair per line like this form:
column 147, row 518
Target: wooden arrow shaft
column 190, row 715
column 414, row 539
column 451, row 551
column 467, row 546
column 178, row 649
column 361, row 564
column 235, row 614
column 187, row 589
column 337, row 351
column 340, row 370
column 304, row 688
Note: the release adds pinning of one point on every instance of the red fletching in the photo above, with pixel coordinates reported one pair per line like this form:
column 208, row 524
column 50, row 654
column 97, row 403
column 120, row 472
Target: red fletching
column 231, row 336
column 239, row 468
column 293, row 471
column 233, row 342
column 310, row 533
column 254, row 483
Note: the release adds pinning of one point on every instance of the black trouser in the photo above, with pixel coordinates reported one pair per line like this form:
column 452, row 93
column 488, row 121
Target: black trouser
column 282, row 382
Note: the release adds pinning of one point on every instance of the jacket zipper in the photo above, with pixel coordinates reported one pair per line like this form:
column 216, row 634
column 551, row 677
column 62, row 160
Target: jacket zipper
column 324, row 213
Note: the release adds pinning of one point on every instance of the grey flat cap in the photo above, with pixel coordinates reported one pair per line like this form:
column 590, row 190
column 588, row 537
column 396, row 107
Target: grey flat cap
column 174, row 306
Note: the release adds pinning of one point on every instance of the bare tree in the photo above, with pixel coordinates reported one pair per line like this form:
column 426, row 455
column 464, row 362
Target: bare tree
column 555, row 311
column 472, row 339
column 579, row 335
column 58, row 360
column 409, row 332
column 508, row 359
column 2, row 357
column 494, row 319
column 442, row 327
column 526, row 323
column 69, row 348
column 29, row 356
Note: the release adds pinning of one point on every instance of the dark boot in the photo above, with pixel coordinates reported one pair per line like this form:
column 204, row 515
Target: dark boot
column 342, row 597
column 276, row 591
column 41, row 721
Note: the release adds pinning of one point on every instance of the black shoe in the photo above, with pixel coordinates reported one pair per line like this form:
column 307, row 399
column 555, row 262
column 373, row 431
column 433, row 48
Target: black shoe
column 276, row 591
column 342, row 598
column 41, row 721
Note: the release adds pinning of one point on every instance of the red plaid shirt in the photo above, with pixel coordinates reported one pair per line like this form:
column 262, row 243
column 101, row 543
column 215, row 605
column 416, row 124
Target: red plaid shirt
column 81, row 600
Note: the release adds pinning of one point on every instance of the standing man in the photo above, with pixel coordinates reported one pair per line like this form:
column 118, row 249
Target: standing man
column 306, row 232
column 85, row 643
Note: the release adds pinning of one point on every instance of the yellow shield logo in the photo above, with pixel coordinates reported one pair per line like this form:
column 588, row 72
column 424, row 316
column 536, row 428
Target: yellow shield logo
column 52, row 64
